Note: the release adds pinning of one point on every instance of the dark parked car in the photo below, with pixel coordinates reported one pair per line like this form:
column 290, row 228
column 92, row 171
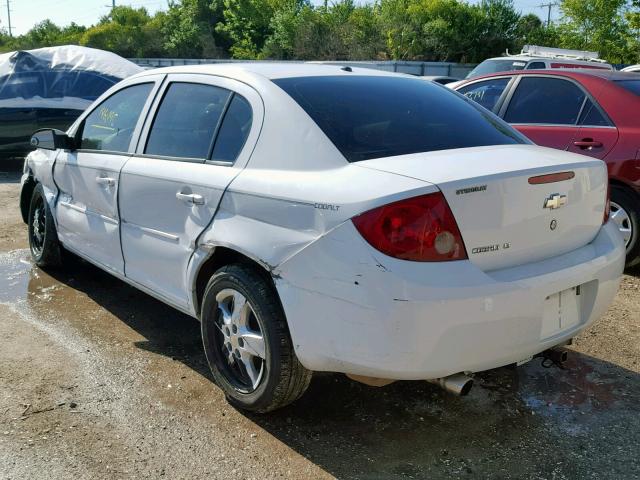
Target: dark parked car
column 592, row 112
column 50, row 88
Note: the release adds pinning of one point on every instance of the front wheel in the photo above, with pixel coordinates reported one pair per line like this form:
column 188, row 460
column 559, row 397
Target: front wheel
column 625, row 213
column 247, row 341
column 43, row 237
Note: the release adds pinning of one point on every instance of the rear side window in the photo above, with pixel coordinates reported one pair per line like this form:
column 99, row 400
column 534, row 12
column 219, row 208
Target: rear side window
column 110, row 125
column 486, row 93
column 632, row 86
column 592, row 117
column 186, row 121
column 544, row 100
column 378, row 116
column 233, row 131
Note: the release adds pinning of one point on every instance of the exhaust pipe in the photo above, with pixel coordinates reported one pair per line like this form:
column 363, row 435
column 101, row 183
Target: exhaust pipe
column 554, row 356
column 458, row 383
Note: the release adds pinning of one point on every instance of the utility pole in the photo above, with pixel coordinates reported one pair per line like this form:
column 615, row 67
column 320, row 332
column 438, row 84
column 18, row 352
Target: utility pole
column 9, row 17
column 548, row 6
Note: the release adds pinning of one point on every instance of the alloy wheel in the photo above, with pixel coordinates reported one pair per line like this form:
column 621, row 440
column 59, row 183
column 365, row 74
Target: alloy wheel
column 240, row 340
column 38, row 226
column 622, row 219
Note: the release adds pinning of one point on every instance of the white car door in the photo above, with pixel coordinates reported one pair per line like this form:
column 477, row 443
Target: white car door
column 197, row 138
column 87, row 178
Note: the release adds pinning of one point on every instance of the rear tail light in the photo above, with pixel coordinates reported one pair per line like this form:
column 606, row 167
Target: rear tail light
column 607, row 206
column 421, row 229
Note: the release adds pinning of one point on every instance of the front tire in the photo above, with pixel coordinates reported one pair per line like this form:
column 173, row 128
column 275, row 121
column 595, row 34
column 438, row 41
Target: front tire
column 625, row 213
column 43, row 238
column 247, row 341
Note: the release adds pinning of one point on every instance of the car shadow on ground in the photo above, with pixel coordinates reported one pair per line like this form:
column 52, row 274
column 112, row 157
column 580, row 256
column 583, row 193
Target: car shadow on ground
column 530, row 422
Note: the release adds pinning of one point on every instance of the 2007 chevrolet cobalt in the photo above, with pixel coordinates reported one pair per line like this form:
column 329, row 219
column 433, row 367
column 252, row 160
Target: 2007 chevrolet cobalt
column 318, row 218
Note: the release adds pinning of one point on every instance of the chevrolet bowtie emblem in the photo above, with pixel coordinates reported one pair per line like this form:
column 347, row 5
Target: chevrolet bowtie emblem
column 555, row 201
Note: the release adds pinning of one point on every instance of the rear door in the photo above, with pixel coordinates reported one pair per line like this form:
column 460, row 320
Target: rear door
column 597, row 134
column 545, row 109
column 88, row 178
column 197, row 138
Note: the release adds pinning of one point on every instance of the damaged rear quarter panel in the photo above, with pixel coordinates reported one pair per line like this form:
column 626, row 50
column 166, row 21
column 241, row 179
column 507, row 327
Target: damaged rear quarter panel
column 273, row 215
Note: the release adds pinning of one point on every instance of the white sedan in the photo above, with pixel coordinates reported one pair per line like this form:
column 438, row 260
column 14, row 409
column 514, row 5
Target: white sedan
column 324, row 218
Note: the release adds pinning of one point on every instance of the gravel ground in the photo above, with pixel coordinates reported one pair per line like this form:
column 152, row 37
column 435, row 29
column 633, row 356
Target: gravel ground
column 98, row 380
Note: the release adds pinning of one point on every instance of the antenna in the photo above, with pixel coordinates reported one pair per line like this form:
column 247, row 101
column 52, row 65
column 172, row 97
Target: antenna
column 548, row 6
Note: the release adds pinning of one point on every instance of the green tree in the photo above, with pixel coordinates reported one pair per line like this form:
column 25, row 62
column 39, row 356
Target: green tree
column 531, row 31
column 189, row 29
column 600, row 26
column 248, row 24
column 126, row 31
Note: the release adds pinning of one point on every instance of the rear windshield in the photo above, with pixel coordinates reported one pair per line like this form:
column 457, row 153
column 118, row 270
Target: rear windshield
column 632, row 86
column 377, row 116
column 495, row 66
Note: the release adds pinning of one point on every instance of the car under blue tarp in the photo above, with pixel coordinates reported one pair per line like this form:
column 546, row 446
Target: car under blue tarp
column 50, row 87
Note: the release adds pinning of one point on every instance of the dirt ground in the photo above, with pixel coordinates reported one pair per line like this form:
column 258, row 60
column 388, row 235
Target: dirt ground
column 98, row 380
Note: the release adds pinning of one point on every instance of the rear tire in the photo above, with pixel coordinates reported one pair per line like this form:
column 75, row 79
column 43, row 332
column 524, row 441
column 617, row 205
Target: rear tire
column 44, row 245
column 247, row 342
column 625, row 213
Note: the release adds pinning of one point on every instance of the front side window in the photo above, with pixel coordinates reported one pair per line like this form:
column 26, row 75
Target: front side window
column 383, row 116
column 186, row 121
column 544, row 100
column 486, row 93
column 110, row 126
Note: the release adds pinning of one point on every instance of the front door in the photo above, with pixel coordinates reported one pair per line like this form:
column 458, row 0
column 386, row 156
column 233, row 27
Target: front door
column 192, row 147
column 88, row 178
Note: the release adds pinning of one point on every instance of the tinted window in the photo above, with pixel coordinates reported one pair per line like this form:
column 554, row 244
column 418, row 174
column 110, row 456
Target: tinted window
column 86, row 85
column 536, row 66
column 110, row 126
column 632, row 86
column 591, row 116
column 495, row 66
column 379, row 116
column 485, row 93
column 22, row 85
column 545, row 100
column 233, row 131
column 186, row 120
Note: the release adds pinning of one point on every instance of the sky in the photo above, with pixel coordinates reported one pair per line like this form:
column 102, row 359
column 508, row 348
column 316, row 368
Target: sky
column 26, row 13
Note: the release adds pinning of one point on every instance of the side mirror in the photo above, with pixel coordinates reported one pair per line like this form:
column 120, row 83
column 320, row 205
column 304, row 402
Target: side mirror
column 52, row 139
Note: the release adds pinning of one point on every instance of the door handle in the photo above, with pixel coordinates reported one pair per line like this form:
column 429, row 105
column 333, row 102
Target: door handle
column 192, row 198
column 587, row 143
column 109, row 182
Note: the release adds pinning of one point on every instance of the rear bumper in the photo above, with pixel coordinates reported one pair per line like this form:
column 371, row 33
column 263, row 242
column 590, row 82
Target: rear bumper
column 351, row 309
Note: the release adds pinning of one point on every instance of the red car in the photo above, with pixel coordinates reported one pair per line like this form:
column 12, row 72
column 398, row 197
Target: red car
column 592, row 112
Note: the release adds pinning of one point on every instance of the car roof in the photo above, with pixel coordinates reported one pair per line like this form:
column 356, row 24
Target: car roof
column 269, row 70
column 529, row 58
column 566, row 72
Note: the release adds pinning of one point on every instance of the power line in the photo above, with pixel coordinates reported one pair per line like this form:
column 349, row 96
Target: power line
column 548, row 6
column 9, row 17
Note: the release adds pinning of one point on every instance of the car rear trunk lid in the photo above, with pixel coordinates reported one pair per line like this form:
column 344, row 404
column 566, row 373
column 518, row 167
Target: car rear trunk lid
column 505, row 218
